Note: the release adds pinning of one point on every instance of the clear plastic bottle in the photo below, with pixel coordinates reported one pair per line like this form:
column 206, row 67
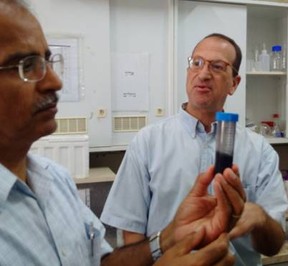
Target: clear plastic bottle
column 225, row 136
column 264, row 59
column 256, row 65
column 276, row 58
column 284, row 59
column 276, row 131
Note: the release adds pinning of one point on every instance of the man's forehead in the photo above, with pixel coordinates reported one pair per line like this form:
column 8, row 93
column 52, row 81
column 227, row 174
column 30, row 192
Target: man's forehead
column 24, row 37
column 215, row 45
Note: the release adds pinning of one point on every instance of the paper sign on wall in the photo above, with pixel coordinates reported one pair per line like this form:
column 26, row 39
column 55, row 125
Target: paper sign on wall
column 130, row 82
column 68, row 47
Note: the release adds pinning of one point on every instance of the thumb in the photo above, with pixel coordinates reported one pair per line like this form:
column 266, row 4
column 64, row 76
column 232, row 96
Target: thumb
column 202, row 182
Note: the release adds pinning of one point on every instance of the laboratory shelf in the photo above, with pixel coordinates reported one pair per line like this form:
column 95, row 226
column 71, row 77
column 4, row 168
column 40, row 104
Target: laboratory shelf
column 266, row 73
column 277, row 140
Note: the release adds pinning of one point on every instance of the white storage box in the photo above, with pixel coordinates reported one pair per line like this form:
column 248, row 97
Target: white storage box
column 71, row 151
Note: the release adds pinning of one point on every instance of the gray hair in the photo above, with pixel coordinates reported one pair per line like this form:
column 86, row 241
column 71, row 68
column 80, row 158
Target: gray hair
column 20, row 3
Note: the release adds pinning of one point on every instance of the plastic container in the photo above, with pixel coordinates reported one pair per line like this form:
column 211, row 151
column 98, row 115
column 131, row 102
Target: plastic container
column 225, row 136
column 284, row 59
column 256, row 65
column 264, row 59
column 276, row 131
column 276, row 58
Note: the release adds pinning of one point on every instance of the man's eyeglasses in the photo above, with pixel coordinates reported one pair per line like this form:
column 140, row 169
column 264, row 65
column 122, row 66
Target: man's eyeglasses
column 34, row 68
column 215, row 66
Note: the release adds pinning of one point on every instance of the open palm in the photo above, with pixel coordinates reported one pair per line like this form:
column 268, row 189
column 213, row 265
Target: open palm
column 201, row 210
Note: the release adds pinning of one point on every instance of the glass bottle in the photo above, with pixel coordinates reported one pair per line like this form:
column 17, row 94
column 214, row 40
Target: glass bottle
column 276, row 58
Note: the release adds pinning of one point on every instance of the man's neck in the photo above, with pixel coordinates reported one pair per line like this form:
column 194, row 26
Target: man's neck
column 17, row 166
column 204, row 116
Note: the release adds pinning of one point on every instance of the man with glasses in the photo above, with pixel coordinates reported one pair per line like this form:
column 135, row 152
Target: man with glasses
column 42, row 219
column 164, row 159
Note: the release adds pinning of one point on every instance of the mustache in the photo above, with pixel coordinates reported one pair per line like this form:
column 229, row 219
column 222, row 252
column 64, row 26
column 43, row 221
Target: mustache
column 46, row 102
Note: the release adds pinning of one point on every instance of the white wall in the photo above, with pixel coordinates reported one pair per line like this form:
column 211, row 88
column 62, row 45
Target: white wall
column 104, row 27
column 89, row 21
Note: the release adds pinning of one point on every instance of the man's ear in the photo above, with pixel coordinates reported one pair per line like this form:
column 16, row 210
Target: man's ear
column 236, row 81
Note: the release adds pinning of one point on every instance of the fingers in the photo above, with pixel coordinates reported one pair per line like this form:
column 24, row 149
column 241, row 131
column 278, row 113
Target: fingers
column 235, row 176
column 235, row 193
column 182, row 254
column 215, row 254
column 228, row 260
column 237, row 231
column 202, row 182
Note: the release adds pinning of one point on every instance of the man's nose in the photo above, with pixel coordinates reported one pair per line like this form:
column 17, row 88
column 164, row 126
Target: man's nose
column 205, row 72
column 51, row 81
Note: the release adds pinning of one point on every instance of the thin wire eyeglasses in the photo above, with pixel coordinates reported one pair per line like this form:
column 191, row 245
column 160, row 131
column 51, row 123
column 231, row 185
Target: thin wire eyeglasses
column 215, row 66
column 34, row 68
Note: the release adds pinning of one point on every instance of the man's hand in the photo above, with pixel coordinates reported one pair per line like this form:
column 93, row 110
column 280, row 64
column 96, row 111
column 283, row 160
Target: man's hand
column 214, row 213
column 214, row 254
column 267, row 234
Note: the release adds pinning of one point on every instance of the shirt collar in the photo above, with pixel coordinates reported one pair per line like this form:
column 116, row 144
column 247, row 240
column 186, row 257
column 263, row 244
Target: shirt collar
column 192, row 124
column 8, row 180
column 38, row 177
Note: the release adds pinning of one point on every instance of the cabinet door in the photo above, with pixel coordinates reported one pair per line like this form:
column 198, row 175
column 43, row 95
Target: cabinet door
column 266, row 91
column 196, row 20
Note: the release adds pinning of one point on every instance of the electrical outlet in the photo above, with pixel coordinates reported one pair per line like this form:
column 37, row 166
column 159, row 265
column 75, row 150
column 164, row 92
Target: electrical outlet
column 159, row 111
column 101, row 113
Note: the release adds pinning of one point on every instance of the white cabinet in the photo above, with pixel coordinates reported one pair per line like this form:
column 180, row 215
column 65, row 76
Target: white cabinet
column 266, row 92
column 250, row 24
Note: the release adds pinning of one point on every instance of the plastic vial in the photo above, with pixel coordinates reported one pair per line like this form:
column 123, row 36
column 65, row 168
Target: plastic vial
column 225, row 136
column 264, row 59
column 276, row 132
column 276, row 58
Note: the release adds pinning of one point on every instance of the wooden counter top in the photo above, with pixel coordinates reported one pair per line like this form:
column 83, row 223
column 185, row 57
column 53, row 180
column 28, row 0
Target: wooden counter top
column 96, row 175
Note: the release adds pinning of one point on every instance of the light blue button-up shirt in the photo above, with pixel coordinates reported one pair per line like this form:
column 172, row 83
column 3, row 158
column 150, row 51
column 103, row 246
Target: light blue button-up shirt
column 161, row 165
column 46, row 223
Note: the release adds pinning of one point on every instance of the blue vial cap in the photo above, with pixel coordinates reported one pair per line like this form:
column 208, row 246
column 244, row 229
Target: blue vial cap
column 230, row 117
column 276, row 48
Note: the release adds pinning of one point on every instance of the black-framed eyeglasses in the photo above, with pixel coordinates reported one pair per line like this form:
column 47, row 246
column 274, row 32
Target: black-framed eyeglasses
column 215, row 66
column 34, row 68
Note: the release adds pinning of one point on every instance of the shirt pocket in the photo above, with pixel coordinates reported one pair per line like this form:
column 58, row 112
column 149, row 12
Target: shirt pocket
column 93, row 244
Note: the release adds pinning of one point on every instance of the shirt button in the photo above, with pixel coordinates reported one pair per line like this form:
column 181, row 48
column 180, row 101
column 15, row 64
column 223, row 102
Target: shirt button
column 63, row 253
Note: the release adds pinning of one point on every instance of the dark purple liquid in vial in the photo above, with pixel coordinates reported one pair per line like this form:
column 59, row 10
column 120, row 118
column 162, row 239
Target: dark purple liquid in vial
column 223, row 161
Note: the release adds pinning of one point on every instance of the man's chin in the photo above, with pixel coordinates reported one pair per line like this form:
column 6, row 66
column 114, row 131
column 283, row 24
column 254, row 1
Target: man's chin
column 48, row 129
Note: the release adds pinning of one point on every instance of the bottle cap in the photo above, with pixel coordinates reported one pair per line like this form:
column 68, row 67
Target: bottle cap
column 222, row 116
column 275, row 115
column 276, row 48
